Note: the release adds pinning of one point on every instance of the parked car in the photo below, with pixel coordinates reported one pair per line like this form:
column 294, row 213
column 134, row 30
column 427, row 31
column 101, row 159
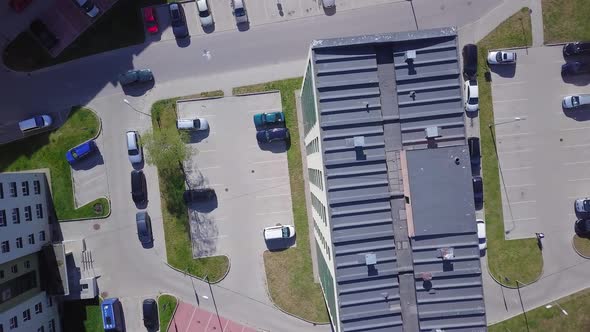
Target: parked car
column 278, row 232
column 136, row 76
column 263, row 120
column 144, row 228
column 582, row 227
column 19, row 5
column 474, row 152
column 478, row 192
column 501, row 57
column 582, row 208
column 470, row 61
column 138, row 187
column 178, row 20
column 198, row 195
column 471, row 96
column 134, row 150
column 271, row 135
column 43, row 35
column 240, row 13
column 150, row 314
column 149, row 17
column 81, row 151
column 575, row 101
column 35, row 123
column 204, row 13
column 88, row 7
column 481, row 234
column 329, row 3
column 192, row 124
column 576, row 48
column 575, row 68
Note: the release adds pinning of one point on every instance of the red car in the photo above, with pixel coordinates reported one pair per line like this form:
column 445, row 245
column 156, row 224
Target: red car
column 149, row 15
column 19, row 5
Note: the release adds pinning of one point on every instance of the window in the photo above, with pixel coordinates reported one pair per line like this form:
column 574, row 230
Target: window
column 49, row 302
column 5, row 246
column 13, row 322
column 14, row 269
column 27, row 264
column 15, row 216
column 12, row 189
column 39, row 208
column 52, row 325
column 25, row 188
column 316, row 177
column 19, row 242
column 1, row 328
column 37, row 187
column 1, row 196
column 313, row 146
column 28, row 214
column 26, row 315
column 42, row 236
column 41, row 329
column 1, row 277
column 38, row 308
column 2, row 218
column 31, row 238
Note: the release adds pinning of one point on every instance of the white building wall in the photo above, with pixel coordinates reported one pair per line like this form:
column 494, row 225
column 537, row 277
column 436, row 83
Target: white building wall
column 9, row 230
column 38, row 320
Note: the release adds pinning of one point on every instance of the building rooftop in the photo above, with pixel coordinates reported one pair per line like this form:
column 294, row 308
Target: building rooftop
column 378, row 96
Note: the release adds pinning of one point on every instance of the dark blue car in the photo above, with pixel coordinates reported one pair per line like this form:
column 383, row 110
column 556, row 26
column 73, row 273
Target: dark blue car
column 81, row 151
column 271, row 135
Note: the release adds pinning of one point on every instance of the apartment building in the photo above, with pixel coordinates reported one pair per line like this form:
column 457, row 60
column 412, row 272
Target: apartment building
column 390, row 183
column 25, row 218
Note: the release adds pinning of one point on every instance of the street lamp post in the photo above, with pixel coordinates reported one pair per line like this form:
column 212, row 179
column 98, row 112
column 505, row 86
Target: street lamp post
column 549, row 306
column 135, row 109
column 214, row 303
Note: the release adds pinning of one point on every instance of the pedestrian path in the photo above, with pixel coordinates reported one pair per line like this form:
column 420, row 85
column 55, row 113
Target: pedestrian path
column 188, row 318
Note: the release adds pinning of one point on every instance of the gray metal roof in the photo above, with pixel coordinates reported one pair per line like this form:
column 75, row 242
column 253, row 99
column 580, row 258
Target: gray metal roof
column 370, row 97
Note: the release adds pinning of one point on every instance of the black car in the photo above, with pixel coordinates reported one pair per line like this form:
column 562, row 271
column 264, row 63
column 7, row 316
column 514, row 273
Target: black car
column 474, row 151
column 150, row 314
column 42, row 33
column 582, row 227
column 138, row 187
column 198, row 195
column 144, row 227
column 470, row 61
column 577, row 48
column 478, row 192
column 178, row 20
column 575, row 68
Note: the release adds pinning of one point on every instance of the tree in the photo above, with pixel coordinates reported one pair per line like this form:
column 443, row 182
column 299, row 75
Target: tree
column 166, row 148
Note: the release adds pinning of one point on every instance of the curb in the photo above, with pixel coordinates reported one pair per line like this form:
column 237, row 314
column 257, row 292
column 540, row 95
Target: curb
column 523, row 284
column 576, row 250
column 256, row 93
column 199, row 278
column 173, row 312
column 197, row 99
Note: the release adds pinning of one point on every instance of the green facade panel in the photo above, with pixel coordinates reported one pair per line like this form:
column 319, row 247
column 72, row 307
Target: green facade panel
column 310, row 117
column 327, row 281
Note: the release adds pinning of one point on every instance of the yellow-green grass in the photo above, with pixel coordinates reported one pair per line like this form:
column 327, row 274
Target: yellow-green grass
column 166, row 306
column 566, row 20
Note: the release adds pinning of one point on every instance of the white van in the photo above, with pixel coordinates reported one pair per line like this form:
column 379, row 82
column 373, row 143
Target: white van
column 278, row 232
column 35, row 123
column 575, row 101
column 192, row 124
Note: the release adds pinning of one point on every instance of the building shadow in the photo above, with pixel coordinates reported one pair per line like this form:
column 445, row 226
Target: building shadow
column 89, row 162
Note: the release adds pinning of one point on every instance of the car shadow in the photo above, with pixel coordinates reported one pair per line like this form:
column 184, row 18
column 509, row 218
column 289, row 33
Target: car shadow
column 183, row 42
column 506, row 71
column 142, row 205
column 243, row 26
column 275, row 147
column 198, row 135
column 209, row 29
column 138, row 89
column 577, row 80
column 280, row 244
column 472, row 115
column 207, row 206
column 89, row 162
column 329, row 11
column 577, row 114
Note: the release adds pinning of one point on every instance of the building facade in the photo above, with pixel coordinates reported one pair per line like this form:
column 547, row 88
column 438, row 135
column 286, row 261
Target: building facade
column 24, row 231
column 390, row 183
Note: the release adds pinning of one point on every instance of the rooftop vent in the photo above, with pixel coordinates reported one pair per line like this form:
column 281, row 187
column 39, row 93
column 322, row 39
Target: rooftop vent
column 432, row 132
column 370, row 259
column 359, row 142
column 447, row 253
column 410, row 56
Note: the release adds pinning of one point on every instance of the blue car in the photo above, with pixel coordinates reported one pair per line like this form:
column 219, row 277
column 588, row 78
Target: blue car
column 81, row 151
column 271, row 135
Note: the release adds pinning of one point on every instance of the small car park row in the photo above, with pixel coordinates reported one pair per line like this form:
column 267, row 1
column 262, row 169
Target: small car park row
column 270, row 127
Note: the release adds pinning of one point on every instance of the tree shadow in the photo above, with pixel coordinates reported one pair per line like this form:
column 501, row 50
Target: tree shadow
column 203, row 234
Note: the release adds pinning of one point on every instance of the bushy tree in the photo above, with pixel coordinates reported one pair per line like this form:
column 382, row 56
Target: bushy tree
column 166, row 148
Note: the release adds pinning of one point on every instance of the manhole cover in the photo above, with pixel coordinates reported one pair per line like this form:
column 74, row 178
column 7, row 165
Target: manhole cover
column 252, row 171
column 104, row 295
column 96, row 227
column 98, row 208
column 226, row 189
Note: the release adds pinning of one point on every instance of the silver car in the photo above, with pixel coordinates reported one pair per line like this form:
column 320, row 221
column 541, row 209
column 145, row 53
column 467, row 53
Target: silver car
column 133, row 147
column 204, row 13
column 575, row 101
column 501, row 57
column 240, row 12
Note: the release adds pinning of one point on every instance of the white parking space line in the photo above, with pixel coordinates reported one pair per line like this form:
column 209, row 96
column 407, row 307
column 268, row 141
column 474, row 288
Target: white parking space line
column 516, row 168
column 521, row 185
column 271, row 179
column 508, row 83
column 215, row 237
column 270, row 161
column 271, row 196
column 510, row 100
column 515, row 151
column 210, row 167
column 576, row 146
column 576, row 128
column 511, row 135
column 522, row 202
column 269, row 110
column 274, row 212
column 577, row 163
column 576, row 180
column 508, row 118
column 524, row 219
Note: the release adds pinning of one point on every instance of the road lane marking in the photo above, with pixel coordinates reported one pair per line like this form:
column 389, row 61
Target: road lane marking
column 576, row 163
column 581, row 179
column 509, row 83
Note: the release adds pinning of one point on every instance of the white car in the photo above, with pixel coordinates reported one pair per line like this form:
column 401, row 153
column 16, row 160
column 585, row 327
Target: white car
column 481, row 234
column 134, row 147
column 192, row 124
column 575, row 101
column 240, row 12
column 471, row 96
column 278, row 232
column 501, row 57
column 88, row 7
column 329, row 3
column 204, row 13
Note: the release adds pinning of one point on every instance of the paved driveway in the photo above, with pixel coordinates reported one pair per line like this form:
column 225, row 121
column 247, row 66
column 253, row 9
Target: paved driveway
column 252, row 185
column 90, row 177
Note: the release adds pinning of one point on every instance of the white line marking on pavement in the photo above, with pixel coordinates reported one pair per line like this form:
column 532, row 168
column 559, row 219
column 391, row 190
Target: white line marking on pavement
column 269, row 161
column 205, row 151
column 516, row 134
column 524, row 219
column 580, row 179
column 521, row 185
column 516, row 168
column 269, row 196
column 576, row 146
column 510, row 100
column 576, row 163
column 272, row 179
column 274, row 212
column 522, row 202
column 578, row 128
column 211, row 167
column 508, row 118
column 509, row 83
column 191, row 320
column 515, row 151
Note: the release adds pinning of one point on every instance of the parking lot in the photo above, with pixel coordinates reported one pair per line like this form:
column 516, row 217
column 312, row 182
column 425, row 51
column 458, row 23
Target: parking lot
column 251, row 181
column 545, row 156
column 89, row 177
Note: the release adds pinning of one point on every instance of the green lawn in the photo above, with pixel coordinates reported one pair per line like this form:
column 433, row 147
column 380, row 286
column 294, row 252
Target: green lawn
column 552, row 319
column 174, row 211
column 566, row 20
column 166, row 306
column 289, row 273
column 47, row 150
column 119, row 27
column 83, row 315
column 582, row 245
column 515, row 259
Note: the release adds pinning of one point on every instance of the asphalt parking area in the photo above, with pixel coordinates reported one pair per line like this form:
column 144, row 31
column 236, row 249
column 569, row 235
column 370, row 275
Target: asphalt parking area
column 545, row 156
column 251, row 181
column 89, row 177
